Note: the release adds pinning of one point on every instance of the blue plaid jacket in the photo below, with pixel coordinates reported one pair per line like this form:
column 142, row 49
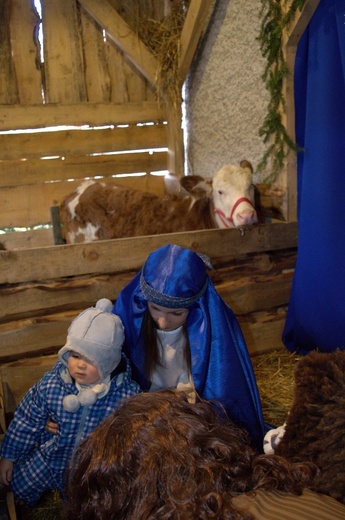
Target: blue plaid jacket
column 44, row 400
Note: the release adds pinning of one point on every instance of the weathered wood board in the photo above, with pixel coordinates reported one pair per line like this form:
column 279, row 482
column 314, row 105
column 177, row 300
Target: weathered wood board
column 109, row 256
column 69, row 57
column 78, row 142
column 8, row 84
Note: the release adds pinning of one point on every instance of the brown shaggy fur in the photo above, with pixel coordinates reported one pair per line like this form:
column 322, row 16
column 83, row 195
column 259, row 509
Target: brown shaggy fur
column 315, row 429
column 161, row 457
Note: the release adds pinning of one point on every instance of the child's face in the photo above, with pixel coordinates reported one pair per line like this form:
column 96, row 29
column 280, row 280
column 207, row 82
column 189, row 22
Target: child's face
column 167, row 319
column 82, row 370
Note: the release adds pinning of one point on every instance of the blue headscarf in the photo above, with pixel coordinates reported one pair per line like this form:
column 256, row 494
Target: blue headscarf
column 175, row 277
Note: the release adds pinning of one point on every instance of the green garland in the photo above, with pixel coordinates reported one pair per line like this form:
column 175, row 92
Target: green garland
column 273, row 131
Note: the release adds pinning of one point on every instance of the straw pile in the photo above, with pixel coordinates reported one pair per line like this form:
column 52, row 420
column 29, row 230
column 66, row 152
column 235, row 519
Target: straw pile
column 274, row 373
column 163, row 40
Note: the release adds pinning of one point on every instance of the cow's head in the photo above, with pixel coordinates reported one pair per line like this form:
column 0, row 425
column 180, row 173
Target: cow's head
column 233, row 196
column 232, row 191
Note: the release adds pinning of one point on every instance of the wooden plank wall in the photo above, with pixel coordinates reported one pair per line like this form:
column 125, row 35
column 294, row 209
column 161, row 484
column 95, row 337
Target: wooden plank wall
column 46, row 166
column 99, row 107
column 78, row 62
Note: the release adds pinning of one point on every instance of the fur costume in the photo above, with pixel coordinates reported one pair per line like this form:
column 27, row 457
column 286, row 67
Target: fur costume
column 315, row 427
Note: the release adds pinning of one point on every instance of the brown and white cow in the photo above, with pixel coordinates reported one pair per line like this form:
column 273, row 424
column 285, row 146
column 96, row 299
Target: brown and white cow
column 99, row 211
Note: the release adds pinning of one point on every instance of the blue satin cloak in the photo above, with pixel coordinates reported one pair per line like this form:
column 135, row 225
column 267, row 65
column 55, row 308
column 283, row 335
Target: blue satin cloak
column 221, row 365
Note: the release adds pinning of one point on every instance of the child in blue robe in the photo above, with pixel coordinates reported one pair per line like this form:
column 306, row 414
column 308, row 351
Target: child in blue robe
column 181, row 334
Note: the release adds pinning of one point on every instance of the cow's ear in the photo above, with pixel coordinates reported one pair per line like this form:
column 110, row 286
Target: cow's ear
column 196, row 185
column 246, row 164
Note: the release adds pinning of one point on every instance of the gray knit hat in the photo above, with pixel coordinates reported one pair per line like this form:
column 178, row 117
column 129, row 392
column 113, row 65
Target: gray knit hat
column 98, row 335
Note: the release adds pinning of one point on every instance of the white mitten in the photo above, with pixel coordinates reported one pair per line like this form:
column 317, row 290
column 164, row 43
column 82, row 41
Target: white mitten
column 272, row 439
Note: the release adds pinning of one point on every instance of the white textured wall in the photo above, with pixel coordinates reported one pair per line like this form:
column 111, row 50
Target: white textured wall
column 226, row 100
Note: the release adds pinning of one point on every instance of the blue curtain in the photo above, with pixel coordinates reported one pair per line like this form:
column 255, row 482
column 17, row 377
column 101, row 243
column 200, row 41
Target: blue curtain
column 316, row 313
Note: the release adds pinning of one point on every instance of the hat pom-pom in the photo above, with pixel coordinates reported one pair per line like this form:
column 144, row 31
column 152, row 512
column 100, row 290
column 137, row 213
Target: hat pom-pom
column 87, row 397
column 104, row 305
column 71, row 403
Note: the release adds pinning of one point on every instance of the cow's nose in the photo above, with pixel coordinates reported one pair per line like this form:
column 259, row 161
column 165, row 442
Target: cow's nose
column 247, row 217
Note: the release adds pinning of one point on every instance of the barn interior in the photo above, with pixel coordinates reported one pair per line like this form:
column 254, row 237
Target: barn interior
column 140, row 93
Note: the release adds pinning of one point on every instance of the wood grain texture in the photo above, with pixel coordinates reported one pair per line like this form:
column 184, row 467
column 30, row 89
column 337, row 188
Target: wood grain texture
column 123, row 254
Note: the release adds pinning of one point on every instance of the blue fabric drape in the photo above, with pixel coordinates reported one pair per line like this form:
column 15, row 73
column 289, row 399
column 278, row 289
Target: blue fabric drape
column 316, row 314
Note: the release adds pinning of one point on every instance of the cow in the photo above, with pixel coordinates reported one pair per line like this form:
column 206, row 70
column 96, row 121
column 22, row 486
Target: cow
column 102, row 211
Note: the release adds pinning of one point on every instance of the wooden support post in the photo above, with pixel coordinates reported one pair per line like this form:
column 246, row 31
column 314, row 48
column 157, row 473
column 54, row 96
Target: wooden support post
column 55, row 215
column 175, row 141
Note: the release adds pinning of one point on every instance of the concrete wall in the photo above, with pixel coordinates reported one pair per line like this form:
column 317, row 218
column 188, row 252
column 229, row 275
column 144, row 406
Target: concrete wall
column 225, row 98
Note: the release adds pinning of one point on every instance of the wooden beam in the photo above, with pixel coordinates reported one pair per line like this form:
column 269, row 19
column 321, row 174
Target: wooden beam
column 300, row 23
column 26, row 51
column 8, row 82
column 17, row 377
column 246, row 284
column 34, row 317
column 97, row 77
column 108, row 256
column 35, row 171
column 63, row 64
column 191, row 32
column 13, row 117
column 66, row 142
column 175, row 141
column 123, row 36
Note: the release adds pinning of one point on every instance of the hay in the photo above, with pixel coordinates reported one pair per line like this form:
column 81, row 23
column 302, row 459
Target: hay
column 274, row 373
column 163, row 39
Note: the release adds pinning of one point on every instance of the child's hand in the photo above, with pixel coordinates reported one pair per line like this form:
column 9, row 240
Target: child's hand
column 51, row 427
column 6, row 469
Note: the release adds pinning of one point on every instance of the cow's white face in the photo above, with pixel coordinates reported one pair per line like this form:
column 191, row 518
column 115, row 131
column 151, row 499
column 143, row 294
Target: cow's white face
column 231, row 184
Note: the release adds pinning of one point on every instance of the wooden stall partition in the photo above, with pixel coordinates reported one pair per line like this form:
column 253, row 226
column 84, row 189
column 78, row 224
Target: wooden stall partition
column 78, row 99
column 39, row 168
column 42, row 289
column 288, row 176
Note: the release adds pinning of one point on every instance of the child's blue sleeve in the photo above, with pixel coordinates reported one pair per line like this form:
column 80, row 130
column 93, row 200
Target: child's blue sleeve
column 27, row 424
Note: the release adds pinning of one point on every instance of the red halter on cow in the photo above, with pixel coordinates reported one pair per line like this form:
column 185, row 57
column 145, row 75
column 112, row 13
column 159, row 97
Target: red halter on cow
column 100, row 211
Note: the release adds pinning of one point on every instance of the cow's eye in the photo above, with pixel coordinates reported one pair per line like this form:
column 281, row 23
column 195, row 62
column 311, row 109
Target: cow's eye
column 220, row 192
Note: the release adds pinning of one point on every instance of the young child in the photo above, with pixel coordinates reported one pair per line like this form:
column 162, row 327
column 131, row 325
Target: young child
column 87, row 383
column 181, row 334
